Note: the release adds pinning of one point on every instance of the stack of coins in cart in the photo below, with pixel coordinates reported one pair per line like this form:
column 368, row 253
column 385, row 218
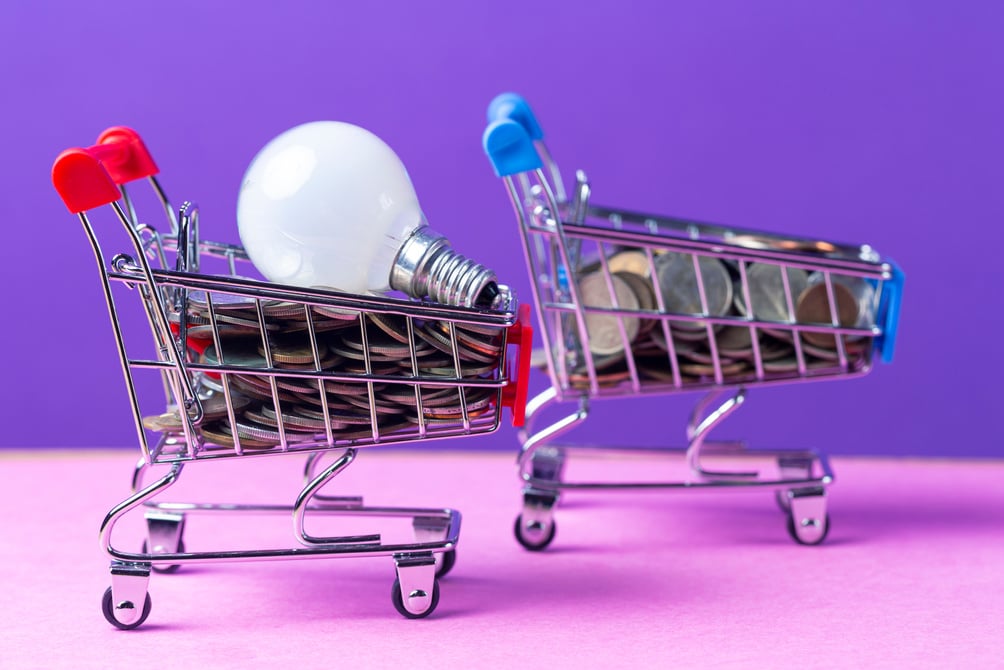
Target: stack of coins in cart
column 361, row 346
column 627, row 274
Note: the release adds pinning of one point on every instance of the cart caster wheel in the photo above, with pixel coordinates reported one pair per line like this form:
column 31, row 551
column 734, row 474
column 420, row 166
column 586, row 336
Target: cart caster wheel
column 447, row 560
column 808, row 534
column 166, row 569
column 108, row 609
column 398, row 600
column 534, row 539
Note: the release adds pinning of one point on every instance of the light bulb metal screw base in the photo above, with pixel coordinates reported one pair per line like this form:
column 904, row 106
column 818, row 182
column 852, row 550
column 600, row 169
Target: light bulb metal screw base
column 427, row 266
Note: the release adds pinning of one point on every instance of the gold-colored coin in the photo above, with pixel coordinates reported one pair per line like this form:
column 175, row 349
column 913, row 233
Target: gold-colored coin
column 580, row 380
column 632, row 261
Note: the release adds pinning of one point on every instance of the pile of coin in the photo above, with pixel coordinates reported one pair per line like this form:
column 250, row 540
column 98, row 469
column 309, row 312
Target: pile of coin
column 345, row 339
column 627, row 274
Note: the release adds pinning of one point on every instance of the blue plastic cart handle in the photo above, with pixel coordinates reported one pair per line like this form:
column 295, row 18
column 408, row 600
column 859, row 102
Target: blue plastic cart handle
column 512, row 106
column 509, row 148
column 892, row 296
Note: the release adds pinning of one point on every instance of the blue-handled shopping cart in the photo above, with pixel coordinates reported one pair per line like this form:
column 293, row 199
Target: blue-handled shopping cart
column 634, row 304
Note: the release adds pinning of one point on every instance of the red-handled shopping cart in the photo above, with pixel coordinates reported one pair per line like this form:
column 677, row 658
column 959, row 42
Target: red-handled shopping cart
column 634, row 304
column 251, row 368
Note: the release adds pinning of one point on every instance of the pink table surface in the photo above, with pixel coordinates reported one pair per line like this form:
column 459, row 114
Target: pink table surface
column 911, row 575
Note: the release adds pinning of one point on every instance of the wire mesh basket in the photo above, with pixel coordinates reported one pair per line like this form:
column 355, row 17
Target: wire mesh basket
column 633, row 304
column 251, row 368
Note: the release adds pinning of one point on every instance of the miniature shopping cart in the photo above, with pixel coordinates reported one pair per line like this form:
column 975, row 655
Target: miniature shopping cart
column 248, row 369
column 634, row 305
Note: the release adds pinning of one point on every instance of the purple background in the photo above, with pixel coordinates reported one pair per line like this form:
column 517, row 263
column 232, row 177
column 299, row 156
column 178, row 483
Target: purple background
column 864, row 122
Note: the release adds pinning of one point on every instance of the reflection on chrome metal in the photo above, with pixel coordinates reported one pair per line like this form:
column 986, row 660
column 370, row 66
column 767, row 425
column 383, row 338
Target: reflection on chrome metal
column 249, row 369
column 693, row 284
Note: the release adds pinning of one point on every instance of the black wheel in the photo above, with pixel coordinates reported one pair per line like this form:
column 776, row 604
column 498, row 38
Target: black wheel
column 108, row 609
column 795, row 536
column 166, row 569
column 447, row 560
column 398, row 600
column 530, row 544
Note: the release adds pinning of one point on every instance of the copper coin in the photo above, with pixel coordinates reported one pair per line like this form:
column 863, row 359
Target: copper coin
column 708, row 370
column 814, row 307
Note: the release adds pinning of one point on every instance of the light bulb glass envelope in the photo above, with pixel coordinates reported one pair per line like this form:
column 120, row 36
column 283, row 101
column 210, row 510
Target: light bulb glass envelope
column 329, row 204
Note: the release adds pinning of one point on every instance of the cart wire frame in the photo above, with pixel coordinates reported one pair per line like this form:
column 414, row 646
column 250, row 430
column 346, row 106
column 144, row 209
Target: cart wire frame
column 91, row 178
column 554, row 229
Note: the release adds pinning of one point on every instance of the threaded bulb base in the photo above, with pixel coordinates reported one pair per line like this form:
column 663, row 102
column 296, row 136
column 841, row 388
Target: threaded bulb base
column 428, row 267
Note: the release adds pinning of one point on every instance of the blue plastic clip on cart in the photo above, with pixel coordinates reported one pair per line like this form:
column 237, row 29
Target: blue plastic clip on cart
column 635, row 304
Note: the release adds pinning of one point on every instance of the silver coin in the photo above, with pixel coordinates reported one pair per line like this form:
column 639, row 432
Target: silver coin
column 247, row 322
column 311, row 405
column 678, row 285
column 379, row 406
column 603, row 329
column 291, row 423
column 379, row 342
column 490, row 345
column 338, row 347
column 451, row 370
column 384, row 429
column 394, row 325
column 220, row 433
column 300, row 418
column 214, row 407
column 336, row 313
column 321, row 325
column 191, row 318
column 258, row 387
column 283, row 309
column 450, row 419
column 223, row 302
column 236, row 352
column 766, row 287
column 433, row 336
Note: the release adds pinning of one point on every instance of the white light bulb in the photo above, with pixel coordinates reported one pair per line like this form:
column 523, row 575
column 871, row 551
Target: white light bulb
column 329, row 204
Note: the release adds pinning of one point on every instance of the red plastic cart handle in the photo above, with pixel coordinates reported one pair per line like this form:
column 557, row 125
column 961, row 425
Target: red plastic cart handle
column 89, row 178
column 514, row 393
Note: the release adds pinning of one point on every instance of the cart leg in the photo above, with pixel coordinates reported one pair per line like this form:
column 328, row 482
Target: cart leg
column 548, row 464
column 792, row 468
column 535, row 526
column 126, row 604
column 808, row 522
column 434, row 529
column 416, row 592
column 164, row 536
